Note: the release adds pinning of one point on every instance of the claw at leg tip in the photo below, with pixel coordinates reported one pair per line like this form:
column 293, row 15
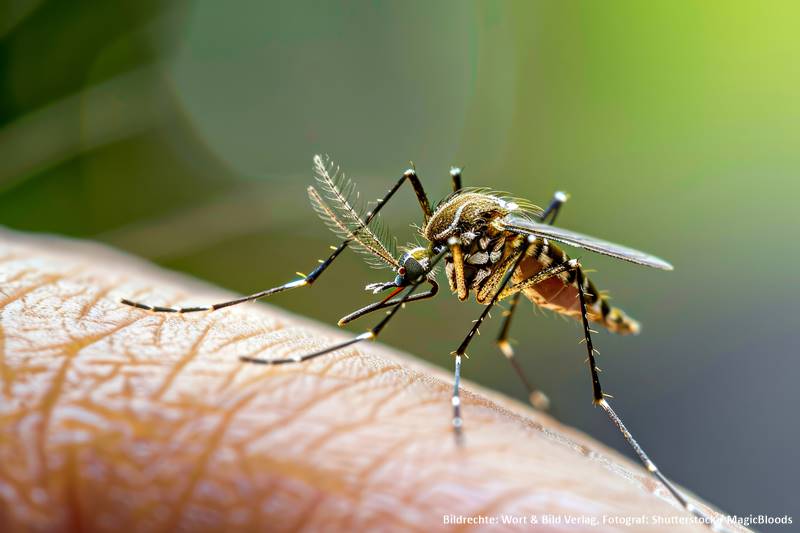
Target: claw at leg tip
column 539, row 400
column 505, row 347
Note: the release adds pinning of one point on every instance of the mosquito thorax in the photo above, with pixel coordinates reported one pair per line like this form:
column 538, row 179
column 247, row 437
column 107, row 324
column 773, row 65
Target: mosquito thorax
column 466, row 213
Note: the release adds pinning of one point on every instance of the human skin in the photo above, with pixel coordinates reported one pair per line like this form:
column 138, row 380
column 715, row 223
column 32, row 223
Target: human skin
column 114, row 418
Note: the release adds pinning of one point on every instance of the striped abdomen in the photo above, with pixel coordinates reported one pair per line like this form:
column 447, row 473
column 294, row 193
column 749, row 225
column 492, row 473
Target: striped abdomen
column 560, row 293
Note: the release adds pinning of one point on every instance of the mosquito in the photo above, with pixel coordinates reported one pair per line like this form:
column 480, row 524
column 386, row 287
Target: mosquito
column 492, row 245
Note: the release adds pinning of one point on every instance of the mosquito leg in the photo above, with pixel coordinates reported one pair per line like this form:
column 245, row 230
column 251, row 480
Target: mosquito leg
column 455, row 174
column 600, row 399
column 559, row 198
column 309, row 279
column 458, row 268
column 458, row 422
column 536, row 397
column 536, row 279
column 370, row 334
column 291, row 285
column 416, row 184
column 388, row 303
column 462, row 349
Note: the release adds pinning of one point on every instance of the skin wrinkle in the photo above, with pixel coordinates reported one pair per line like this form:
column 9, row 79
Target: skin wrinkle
column 116, row 369
column 18, row 486
column 363, row 477
column 178, row 434
column 385, row 408
column 378, row 519
column 202, row 462
column 298, row 370
column 6, row 373
column 181, row 364
column 495, row 506
column 307, row 515
column 319, row 398
column 244, row 337
column 54, row 392
column 415, row 496
column 270, row 347
column 230, row 377
column 72, row 493
column 157, row 331
column 13, row 297
column 370, row 416
column 19, row 275
column 276, row 372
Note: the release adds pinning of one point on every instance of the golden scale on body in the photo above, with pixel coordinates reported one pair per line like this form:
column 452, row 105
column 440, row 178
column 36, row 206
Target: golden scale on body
column 492, row 245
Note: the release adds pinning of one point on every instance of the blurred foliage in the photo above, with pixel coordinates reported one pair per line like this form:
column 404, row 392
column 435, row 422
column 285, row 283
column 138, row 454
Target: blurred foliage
column 184, row 131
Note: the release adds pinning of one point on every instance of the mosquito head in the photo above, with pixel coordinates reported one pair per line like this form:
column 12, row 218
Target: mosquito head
column 413, row 264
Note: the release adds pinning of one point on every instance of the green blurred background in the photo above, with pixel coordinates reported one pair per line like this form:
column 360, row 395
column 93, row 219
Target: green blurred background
column 183, row 132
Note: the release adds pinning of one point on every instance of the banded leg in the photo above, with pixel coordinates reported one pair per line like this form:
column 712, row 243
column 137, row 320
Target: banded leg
column 455, row 400
column 537, row 398
column 559, row 199
column 462, row 349
column 370, row 334
column 458, row 422
column 599, row 398
column 455, row 248
column 455, row 174
column 307, row 280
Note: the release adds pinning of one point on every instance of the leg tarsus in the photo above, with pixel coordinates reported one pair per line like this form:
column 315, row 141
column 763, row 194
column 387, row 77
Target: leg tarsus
column 559, row 199
column 455, row 400
column 462, row 349
column 455, row 174
column 370, row 334
column 600, row 399
column 536, row 397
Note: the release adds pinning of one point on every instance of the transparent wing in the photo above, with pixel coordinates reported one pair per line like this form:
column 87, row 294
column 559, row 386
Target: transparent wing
column 578, row 240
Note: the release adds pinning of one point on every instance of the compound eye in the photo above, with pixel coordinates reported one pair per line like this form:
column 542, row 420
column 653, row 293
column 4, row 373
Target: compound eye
column 412, row 269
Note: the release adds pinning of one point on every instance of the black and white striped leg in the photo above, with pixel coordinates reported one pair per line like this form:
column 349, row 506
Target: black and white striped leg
column 458, row 421
column 409, row 175
column 461, row 351
column 600, row 399
column 371, row 334
column 559, row 199
column 537, row 398
column 455, row 174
